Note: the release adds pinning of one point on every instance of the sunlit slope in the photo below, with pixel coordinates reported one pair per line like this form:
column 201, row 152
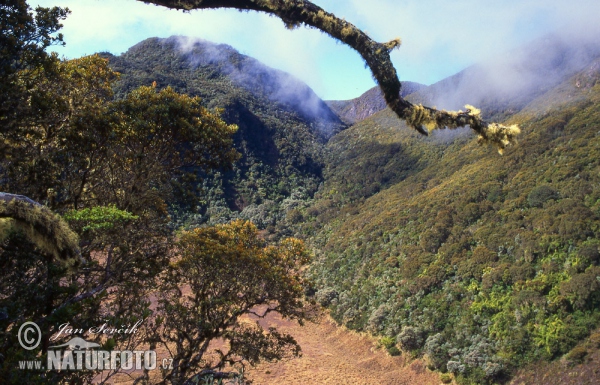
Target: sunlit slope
column 479, row 261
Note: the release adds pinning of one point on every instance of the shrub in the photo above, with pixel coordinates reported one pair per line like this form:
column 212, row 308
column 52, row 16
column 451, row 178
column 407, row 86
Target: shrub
column 577, row 355
column 436, row 350
column 583, row 290
column 394, row 351
column 410, row 338
column 445, row 378
column 390, row 345
column 590, row 252
column 541, row 194
column 377, row 319
column 455, row 367
column 326, row 295
column 595, row 339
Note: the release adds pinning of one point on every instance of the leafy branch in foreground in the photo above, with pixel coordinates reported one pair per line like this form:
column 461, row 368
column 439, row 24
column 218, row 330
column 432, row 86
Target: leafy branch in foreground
column 376, row 55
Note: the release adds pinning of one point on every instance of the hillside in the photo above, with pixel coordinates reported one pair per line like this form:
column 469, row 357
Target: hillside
column 482, row 263
column 335, row 355
column 372, row 101
column 283, row 126
column 477, row 263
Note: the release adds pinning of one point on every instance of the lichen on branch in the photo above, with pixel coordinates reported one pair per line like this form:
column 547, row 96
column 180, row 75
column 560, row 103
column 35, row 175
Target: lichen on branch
column 44, row 228
column 376, row 55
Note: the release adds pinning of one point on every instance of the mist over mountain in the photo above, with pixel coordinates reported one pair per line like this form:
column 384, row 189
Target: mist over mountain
column 499, row 87
column 283, row 124
column 275, row 85
column 504, row 85
column 172, row 60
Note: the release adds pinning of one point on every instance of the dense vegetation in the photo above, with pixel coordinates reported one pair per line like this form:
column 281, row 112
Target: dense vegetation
column 282, row 124
column 108, row 171
column 480, row 264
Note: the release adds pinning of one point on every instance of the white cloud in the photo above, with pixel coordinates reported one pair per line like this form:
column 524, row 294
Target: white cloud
column 116, row 25
column 440, row 37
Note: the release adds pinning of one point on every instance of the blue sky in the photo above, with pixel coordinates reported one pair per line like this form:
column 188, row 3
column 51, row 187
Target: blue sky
column 440, row 37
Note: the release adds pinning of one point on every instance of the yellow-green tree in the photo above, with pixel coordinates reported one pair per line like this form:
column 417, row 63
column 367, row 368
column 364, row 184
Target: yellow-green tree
column 110, row 167
column 222, row 282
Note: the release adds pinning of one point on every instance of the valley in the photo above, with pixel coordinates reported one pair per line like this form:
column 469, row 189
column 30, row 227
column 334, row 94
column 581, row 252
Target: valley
column 455, row 254
column 416, row 234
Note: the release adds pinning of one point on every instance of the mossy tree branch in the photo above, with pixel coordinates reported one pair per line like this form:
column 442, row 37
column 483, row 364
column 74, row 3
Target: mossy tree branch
column 45, row 228
column 377, row 56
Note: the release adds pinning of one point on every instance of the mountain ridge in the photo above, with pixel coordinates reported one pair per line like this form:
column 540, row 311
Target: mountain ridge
column 372, row 101
column 281, row 140
column 529, row 71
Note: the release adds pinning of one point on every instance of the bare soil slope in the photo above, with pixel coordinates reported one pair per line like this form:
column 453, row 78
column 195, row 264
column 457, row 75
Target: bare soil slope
column 335, row 355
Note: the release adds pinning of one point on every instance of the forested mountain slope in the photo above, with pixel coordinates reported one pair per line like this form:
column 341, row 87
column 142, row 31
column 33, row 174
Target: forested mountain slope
column 283, row 125
column 480, row 262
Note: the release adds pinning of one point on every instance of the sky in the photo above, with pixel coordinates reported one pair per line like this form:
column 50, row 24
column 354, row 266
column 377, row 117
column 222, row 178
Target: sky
column 439, row 37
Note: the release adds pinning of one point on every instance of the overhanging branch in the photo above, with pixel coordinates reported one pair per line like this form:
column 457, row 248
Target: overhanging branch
column 45, row 228
column 376, row 55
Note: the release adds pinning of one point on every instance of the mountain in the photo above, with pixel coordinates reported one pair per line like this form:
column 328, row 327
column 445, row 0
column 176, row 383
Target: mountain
column 217, row 73
column 354, row 110
column 480, row 263
column 283, row 124
column 515, row 78
column 504, row 85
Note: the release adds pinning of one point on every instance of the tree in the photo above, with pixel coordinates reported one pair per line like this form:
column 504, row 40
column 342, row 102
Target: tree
column 109, row 167
column 82, row 148
column 222, row 281
column 59, row 136
column 376, row 55
column 23, row 40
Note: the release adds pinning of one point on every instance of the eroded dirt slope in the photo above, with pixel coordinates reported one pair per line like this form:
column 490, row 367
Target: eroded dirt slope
column 334, row 355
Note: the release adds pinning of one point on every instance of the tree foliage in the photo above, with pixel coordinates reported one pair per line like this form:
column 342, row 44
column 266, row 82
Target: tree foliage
column 85, row 148
column 223, row 281
column 112, row 167
column 479, row 267
column 280, row 138
column 24, row 36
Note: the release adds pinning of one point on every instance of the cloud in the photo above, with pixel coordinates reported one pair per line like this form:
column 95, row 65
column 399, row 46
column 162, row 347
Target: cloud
column 116, row 25
column 278, row 86
column 440, row 37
